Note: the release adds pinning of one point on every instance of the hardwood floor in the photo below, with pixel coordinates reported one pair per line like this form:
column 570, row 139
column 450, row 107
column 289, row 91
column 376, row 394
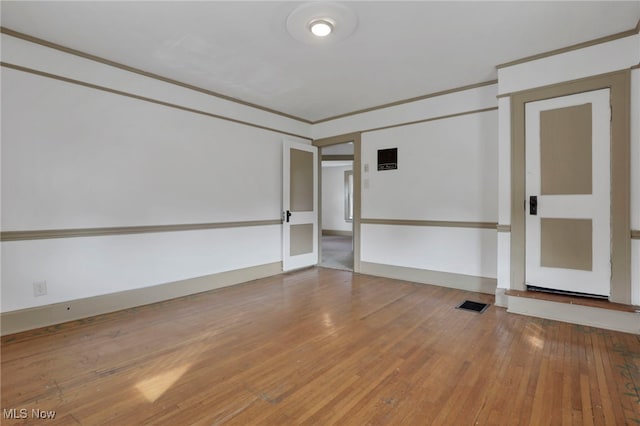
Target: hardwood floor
column 318, row 347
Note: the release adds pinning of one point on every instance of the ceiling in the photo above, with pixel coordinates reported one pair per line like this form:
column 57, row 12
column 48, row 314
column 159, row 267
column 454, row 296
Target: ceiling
column 399, row 50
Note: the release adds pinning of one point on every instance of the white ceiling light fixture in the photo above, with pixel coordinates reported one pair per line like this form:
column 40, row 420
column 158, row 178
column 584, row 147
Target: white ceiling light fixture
column 321, row 23
column 321, row 27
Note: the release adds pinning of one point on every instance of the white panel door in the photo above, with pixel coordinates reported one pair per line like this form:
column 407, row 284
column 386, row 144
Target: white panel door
column 568, row 238
column 300, row 206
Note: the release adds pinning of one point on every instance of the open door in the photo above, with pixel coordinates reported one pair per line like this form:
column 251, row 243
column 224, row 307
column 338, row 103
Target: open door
column 300, row 205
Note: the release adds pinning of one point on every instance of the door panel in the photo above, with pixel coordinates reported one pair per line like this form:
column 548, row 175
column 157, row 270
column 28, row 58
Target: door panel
column 301, row 180
column 301, row 239
column 300, row 206
column 566, row 151
column 567, row 148
column 566, row 243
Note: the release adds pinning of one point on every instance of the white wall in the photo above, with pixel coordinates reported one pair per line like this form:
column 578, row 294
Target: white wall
column 20, row 52
column 465, row 251
column 437, row 106
column 333, row 198
column 590, row 61
column 77, row 268
column 339, row 149
column 447, row 172
column 77, row 157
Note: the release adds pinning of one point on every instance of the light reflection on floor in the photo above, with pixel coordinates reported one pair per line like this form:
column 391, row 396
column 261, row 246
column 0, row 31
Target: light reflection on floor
column 154, row 387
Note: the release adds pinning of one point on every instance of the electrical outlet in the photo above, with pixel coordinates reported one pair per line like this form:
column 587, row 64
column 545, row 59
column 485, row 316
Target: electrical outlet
column 39, row 288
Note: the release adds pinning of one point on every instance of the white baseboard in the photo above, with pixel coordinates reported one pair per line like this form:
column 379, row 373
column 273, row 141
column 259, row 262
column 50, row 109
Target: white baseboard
column 628, row 322
column 424, row 276
column 43, row 316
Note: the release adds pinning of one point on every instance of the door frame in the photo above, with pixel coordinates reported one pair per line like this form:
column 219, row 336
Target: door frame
column 619, row 84
column 337, row 140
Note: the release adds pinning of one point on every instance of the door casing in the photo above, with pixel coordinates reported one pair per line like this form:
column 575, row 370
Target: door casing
column 336, row 140
column 619, row 84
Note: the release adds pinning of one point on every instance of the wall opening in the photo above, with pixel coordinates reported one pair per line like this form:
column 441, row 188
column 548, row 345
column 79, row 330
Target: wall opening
column 337, row 207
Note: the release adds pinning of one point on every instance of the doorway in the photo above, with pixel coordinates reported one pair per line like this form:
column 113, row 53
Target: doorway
column 528, row 239
column 337, row 201
column 567, row 168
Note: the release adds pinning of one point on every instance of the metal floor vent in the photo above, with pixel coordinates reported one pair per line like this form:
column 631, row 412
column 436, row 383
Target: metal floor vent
column 468, row 305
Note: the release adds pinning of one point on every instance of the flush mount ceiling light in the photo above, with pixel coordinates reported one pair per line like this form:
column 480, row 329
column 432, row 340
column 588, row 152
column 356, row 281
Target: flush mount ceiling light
column 321, row 23
column 321, row 27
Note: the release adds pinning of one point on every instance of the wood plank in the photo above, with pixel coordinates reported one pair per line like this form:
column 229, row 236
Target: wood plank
column 322, row 346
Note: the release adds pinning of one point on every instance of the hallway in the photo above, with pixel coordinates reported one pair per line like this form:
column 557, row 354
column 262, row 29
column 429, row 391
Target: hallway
column 337, row 252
